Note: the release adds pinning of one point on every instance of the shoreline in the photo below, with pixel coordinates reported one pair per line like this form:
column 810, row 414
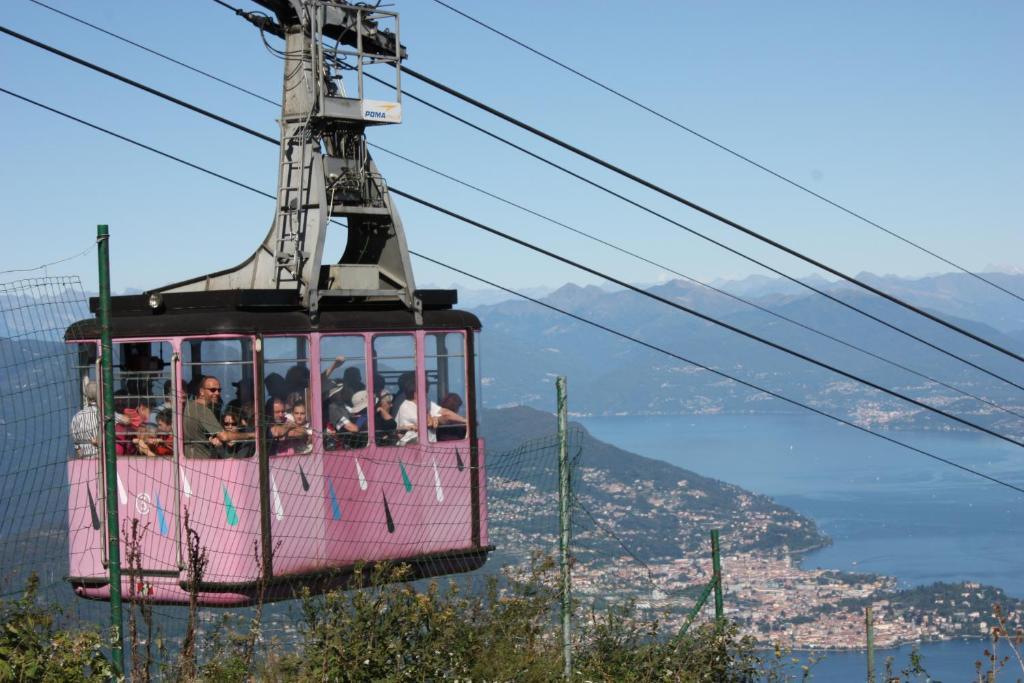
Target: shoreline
column 800, row 556
column 896, row 646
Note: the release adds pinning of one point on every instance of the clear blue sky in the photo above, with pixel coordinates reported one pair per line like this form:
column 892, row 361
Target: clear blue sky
column 907, row 112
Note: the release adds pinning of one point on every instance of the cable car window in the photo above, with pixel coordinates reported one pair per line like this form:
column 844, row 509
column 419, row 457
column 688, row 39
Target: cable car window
column 85, row 430
column 394, row 385
column 345, row 398
column 143, row 400
column 286, row 395
column 214, row 426
column 445, row 361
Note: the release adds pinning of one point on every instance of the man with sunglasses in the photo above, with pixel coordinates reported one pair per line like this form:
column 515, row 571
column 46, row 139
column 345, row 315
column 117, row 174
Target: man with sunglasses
column 204, row 435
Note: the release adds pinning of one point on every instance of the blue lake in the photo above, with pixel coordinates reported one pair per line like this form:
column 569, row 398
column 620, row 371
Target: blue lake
column 888, row 510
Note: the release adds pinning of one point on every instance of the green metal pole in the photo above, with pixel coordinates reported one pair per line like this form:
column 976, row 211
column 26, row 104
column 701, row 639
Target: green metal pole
column 869, row 622
column 564, row 493
column 716, row 567
column 110, row 456
column 701, row 601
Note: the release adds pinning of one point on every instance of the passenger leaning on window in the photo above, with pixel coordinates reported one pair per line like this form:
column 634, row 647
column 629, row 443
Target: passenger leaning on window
column 203, row 433
column 242, row 447
column 165, row 432
column 436, row 416
column 149, row 442
column 280, row 430
column 300, row 438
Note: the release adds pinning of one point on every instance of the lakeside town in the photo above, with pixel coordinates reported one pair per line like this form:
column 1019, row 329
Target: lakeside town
column 767, row 592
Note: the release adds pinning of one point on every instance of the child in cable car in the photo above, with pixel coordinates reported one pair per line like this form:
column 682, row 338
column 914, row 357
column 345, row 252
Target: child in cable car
column 353, row 427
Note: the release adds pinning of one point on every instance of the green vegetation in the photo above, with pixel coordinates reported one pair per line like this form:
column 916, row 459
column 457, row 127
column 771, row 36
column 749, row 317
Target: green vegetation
column 387, row 629
column 34, row 648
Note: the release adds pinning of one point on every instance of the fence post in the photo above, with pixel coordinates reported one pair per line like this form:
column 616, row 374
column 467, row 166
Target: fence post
column 716, row 568
column 869, row 623
column 109, row 455
column 564, row 495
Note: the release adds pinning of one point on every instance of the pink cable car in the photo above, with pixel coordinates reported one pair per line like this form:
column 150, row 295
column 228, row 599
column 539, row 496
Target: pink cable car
column 295, row 419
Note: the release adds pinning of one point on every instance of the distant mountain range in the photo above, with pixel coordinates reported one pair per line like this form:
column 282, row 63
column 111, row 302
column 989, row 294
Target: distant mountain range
column 526, row 346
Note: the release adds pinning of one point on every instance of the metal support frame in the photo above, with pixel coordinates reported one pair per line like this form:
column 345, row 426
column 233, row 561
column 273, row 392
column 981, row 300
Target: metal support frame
column 109, row 453
column 324, row 170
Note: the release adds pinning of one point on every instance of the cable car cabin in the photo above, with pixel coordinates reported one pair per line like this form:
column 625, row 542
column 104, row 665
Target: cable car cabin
column 293, row 448
column 291, row 415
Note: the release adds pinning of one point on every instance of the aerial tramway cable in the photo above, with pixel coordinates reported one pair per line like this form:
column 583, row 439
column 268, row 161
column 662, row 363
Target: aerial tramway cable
column 728, row 150
column 534, row 213
column 574, row 316
column 735, row 297
column 711, row 214
column 703, row 316
column 692, row 231
column 555, row 256
column 711, row 240
column 154, row 52
column 135, row 84
column 725, row 375
column 578, row 265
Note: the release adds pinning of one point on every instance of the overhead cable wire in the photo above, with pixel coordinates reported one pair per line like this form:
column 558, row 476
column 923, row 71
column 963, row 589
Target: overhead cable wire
column 575, row 264
column 711, row 240
column 226, row 5
column 563, row 225
column 52, row 263
column 129, row 140
column 703, row 316
column 578, row 318
column 152, row 51
column 711, row 214
column 734, row 297
column 723, row 374
column 729, row 150
column 692, row 231
column 135, row 84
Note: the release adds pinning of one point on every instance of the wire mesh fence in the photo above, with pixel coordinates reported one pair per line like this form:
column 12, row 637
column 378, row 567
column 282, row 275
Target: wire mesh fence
column 328, row 508
column 204, row 530
column 37, row 392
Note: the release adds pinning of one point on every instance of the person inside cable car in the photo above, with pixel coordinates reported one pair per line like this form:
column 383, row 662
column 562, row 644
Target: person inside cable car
column 280, row 431
column 138, row 411
column 124, row 431
column 165, row 432
column 407, row 418
column 276, row 387
column 300, row 437
column 243, row 397
column 85, row 430
column 245, row 445
column 385, row 424
column 297, row 380
column 353, row 428
column 406, row 387
column 451, row 426
column 204, row 435
column 149, row 442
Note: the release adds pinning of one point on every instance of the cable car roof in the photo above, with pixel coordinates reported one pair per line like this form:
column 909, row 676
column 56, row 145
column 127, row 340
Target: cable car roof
column 249, row 311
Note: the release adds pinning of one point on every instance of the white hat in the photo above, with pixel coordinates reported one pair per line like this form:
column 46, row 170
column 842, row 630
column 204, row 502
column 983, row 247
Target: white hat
column 359, row 401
